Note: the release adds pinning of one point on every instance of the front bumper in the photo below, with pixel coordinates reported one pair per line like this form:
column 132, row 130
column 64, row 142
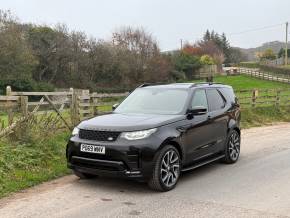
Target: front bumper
column 102, row 167
column 132, row 159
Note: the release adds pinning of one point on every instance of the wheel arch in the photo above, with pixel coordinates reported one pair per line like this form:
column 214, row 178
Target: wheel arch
column 233, row 125
column 174, row 143
column 238, row 130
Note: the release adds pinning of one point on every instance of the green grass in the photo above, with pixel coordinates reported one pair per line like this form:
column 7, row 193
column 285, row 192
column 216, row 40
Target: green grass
column 286, row 67
column 4, row 119
column 246, row 82
column 24, row 165
column 261, row 116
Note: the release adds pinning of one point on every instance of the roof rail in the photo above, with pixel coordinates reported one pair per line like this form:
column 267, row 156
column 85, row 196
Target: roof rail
column 151, row 84
column 200, row 83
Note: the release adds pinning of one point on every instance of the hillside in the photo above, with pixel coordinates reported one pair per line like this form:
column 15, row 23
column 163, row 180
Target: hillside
column 274, row 45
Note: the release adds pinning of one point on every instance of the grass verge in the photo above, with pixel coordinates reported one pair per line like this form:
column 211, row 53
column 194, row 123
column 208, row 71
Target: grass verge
column 262, row 116
column 26, row 164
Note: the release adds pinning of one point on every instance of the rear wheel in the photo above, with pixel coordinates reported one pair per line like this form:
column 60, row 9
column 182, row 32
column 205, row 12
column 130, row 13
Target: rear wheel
column 166, row 170
column 232, row 150
column 82, row 175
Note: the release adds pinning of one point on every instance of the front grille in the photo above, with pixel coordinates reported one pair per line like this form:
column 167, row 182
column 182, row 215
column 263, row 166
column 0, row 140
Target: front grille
column 105, row 136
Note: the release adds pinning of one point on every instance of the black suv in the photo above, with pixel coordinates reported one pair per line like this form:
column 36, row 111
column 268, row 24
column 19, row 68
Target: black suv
column 157, row 132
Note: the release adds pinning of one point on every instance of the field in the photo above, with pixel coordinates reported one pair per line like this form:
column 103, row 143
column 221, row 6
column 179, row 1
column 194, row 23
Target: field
column 246, row 82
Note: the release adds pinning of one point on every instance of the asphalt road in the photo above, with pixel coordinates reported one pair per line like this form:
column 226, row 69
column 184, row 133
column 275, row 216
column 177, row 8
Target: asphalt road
column 257, row 186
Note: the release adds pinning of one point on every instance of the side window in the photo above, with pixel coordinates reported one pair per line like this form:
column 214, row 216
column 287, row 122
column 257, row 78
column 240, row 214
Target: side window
column 229, row 94
column 199, row 99
column 215, row 100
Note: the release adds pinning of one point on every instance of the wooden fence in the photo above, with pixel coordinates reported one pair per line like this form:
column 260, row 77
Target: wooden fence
column 284, row 78
column 72, row 106
column 275, row 62
column 263, row 97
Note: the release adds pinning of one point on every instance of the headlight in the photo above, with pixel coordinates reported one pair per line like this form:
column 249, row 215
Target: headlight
column 138, row 134
column 75, row 131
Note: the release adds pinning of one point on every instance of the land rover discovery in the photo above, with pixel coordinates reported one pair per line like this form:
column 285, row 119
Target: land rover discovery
column 157, row 132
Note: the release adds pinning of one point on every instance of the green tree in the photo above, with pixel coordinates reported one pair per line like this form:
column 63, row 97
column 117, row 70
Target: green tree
column 268, row 54
column 220, row 41
column 207, row 36
column 281, row 53
column 17, row 61
column 188, row 64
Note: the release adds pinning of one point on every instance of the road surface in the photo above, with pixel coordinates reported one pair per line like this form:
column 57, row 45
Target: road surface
column 257, row 186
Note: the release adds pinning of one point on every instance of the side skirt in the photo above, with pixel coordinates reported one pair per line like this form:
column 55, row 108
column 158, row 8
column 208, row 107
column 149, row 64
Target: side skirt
column 202, row 163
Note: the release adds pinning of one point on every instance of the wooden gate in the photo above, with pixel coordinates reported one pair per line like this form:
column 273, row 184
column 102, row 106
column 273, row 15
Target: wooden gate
column 50, row 108
column 61, row 109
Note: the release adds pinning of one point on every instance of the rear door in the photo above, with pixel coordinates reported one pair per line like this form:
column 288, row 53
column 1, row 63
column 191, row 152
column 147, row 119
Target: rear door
column 217, row 118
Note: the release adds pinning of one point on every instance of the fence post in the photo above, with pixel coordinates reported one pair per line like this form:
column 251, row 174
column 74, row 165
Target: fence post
column 22, row 132
column 74, row 107
column 86, row 108
column 71, row 90
column 93, row 102
column 254, row 97
column 24, row 105
column 9, row 111
column 278, row 97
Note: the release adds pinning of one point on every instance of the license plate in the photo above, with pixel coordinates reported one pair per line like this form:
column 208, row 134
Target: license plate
column 93, row 149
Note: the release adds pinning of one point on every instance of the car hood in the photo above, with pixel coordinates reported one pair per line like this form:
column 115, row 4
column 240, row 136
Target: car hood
column 128, row 122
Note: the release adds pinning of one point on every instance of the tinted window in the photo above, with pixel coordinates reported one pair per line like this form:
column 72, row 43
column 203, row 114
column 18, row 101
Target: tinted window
column 199, row 99
column 228, row 93
column 215, row 100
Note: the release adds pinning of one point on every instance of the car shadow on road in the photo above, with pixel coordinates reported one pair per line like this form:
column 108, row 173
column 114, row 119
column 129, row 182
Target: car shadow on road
column 117, row 185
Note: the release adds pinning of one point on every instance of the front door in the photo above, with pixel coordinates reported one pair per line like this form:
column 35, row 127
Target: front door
column 198, row 135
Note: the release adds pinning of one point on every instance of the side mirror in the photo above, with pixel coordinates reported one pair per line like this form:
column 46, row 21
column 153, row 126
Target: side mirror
column 198, row 110
column 115, row 106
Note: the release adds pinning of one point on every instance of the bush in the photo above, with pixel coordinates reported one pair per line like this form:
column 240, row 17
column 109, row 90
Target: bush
column 188, row 64
column 177, row 75
column 206, row 60
column 249, row 64
column 17, row 84
column 24, row 85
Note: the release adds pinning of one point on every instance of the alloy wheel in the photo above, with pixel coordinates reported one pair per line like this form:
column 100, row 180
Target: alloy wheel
column 234, row 146
column 170, row 168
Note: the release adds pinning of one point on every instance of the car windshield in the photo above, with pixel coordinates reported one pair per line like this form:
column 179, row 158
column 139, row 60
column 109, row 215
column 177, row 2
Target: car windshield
column 154, row 101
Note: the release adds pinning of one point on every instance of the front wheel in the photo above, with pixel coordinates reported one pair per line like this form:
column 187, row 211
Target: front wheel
column 166, row 170
column 232, row 150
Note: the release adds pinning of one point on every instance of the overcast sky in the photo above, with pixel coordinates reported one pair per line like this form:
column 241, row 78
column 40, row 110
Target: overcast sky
column 167, row 20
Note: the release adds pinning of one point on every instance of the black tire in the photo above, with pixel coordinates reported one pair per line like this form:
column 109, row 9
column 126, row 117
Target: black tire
column 84, row 175
column 232, row 148
column 173, row 172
